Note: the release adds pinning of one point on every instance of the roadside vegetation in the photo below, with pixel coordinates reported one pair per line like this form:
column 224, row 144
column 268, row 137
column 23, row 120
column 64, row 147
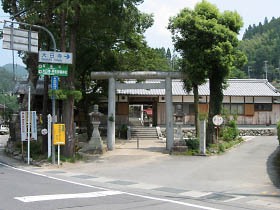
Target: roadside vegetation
column 228, row 138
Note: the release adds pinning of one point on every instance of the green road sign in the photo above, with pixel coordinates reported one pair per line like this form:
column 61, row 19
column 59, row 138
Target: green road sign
column 53, row 69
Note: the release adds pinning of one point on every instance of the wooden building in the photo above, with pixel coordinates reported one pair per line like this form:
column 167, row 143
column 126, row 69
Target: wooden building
column 254, row 101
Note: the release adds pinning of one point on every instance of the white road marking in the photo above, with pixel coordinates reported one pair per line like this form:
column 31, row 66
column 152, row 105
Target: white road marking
column 36, row 198
column 195, row 194
column 126, row 193
column 234, row 199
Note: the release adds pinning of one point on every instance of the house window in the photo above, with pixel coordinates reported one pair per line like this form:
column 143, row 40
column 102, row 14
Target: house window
column 234, row 108
column 263, row 107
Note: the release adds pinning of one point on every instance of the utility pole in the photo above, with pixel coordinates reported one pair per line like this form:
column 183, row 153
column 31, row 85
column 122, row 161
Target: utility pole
column 249, row 69
column 265, row 68
column 54, row 50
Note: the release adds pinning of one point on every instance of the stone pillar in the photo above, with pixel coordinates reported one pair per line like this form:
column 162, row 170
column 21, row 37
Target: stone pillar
column 111, row 114
column 169, row 114
column 202, row 145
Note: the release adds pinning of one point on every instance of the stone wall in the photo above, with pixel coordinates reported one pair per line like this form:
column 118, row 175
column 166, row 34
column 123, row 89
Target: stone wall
column 190, row 132
column 257, row 132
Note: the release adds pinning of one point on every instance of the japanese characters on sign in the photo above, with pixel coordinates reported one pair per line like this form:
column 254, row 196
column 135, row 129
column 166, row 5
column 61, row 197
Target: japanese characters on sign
column 218, row 120
column 59, row 134
column 24, row 125
column 53, row 69
column 55, row 57
column 54, row 84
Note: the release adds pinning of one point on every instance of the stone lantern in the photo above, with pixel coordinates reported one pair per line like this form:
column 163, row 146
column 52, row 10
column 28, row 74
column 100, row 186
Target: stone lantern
column 179, row 121
column 95, row 145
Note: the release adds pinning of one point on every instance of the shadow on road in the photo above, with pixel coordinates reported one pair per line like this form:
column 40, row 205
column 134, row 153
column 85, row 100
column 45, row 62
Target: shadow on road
column 273, row 167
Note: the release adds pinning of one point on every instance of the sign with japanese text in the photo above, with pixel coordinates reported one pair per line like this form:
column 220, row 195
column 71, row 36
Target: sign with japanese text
column 55, row 57
column 53, row 69
column 59, row 134
column 24, row 125
column 218, row 120
column 20, row 39
column 54, row 83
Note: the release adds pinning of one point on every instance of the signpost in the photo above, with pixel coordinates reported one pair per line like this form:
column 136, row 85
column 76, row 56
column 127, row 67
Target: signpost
column 58, row 138
column 20, row 39
column 54, row 83
column 55, row 57
column 49, row 134
column 53, row 69
column 24, row 125
column 218, row 120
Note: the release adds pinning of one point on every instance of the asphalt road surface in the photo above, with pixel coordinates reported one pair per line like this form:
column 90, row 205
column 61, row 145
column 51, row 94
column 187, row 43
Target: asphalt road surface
column 244, row 178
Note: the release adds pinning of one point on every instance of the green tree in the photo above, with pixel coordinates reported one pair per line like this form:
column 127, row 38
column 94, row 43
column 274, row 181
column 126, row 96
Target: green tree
column 102, row 35
column 207, row 41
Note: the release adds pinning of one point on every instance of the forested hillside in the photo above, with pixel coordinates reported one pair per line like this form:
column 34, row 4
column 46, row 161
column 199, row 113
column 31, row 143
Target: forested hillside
column 262, row 43
column 7, row 82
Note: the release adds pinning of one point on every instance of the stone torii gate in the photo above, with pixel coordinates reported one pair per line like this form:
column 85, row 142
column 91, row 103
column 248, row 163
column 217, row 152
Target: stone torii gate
column 113, row 85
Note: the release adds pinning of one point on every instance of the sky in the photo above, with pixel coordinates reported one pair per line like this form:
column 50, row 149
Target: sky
column 252, row 12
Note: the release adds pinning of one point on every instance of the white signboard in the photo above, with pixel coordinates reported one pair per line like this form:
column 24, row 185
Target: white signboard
column 218, row 120
column 49, row 135
column 24, row 125
column 55, row 57
column 20, row 39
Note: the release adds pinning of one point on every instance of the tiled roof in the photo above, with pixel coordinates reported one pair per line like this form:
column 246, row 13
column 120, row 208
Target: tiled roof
column 234, row 87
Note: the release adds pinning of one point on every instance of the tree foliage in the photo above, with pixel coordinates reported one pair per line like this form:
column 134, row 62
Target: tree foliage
column 261, row 43
column 102, row 35
column 207, row 41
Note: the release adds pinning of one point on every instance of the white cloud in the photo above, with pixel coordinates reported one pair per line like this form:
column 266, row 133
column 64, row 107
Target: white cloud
column 158, row 35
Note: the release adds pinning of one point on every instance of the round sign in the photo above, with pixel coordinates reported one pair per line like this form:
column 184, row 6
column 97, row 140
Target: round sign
column 218, row 120
column 44, row 131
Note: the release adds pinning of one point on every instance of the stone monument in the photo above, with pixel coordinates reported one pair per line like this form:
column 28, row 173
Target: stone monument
column 179, row 142
column 95, row 144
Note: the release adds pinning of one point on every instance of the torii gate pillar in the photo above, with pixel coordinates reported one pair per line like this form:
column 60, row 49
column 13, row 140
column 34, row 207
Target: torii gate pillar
column 169, row 114
column 112, row 76
column 111, row 114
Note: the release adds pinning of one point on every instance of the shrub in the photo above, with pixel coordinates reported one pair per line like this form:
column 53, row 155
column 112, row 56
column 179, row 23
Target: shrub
column 221, row 148
column 278, row 131
column 233, row 125
column 230, row 132
column 192, row 144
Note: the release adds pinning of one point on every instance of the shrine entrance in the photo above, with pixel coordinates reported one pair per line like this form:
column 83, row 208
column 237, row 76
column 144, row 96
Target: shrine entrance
column 113, row 85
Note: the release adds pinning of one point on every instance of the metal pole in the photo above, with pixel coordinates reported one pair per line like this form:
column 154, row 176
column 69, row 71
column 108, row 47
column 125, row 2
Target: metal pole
column 265, row 66
column 53, row 122
column 28, row 133
column 249, row 69
column 58, row 155
column 54, row 49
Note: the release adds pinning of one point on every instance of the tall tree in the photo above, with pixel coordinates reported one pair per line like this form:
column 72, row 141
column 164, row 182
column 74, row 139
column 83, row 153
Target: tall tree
column 207, row 40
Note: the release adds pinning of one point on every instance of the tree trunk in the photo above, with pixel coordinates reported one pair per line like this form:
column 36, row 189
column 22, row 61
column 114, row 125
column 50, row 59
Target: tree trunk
column 45, row 112
column 32, row 66
column 196, row 111
column 215, row 107
column 68, row 104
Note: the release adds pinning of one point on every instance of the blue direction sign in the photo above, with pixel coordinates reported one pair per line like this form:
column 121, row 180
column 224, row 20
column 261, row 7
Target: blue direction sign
column 55, row 57
column 54, row 85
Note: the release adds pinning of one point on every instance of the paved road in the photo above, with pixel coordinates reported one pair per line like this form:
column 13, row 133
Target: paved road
column 244, row 178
